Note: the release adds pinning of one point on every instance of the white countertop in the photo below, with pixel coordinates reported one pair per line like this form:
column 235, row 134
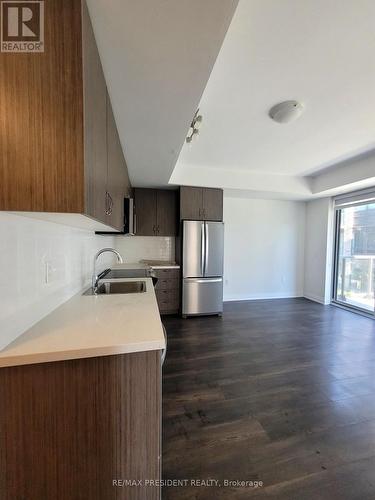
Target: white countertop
column 146, row 265
column 131, row 265
column 160, row 264
column 91, row 325
column 165, row 266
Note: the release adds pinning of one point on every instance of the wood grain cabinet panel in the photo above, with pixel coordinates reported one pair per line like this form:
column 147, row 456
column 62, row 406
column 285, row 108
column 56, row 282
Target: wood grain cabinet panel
column 69, row 429
column 156, row 212
column 191, row 203
column 118, row 184
column 167, row 290
column 53, row 126
column 198, row 203
column 213, row 204
column 41, row 124
column 145, row 211
column 95, row 124
column 166, row 212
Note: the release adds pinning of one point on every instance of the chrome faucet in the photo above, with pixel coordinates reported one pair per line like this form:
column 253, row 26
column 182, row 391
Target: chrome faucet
column 95, row 276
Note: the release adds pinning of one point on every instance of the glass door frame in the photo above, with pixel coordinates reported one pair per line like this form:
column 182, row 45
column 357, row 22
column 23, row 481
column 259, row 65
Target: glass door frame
column 335, row 271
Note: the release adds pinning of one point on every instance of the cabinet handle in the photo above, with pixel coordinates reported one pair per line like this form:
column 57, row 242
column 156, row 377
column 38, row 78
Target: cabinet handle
column 135, row 223
column 199, row 212
column 106, row 203
column 154, row 229
column 164, row 351
column 109, row 204
column 158, row 229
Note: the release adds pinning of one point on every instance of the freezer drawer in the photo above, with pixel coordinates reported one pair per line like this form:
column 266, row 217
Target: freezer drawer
column 202, row 296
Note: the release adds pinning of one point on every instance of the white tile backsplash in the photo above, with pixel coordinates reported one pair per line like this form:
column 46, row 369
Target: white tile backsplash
column 136, row 248
column 29, row 250
column 43, row 264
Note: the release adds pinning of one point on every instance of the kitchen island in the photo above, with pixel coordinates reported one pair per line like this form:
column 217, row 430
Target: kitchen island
column 80, row 401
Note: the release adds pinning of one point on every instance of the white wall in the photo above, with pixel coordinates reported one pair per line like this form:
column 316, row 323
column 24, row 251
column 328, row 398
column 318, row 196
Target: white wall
column 264, row 248
column 318, row 250
column 26, row 247
column 136, row 248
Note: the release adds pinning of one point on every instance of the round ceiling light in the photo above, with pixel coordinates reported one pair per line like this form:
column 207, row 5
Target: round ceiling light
column 286, row 112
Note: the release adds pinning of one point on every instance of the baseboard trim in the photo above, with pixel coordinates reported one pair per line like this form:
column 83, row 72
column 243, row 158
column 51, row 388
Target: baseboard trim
column 315, row 298
column 263, row 297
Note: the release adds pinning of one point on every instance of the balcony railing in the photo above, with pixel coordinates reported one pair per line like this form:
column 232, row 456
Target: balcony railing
column 356, row 281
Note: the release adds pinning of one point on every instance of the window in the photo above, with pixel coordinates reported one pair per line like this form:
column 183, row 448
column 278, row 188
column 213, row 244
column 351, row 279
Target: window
column 354, row 270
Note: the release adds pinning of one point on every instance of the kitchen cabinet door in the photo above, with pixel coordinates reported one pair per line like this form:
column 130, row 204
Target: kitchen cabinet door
column 41, row 126
column 166, row 212
column 118, row 184
column 68, row 429
column 212, row 204
column 191, row 203
column 95, row 119
column 58, row 99
column 167, row 290
column 145, row 210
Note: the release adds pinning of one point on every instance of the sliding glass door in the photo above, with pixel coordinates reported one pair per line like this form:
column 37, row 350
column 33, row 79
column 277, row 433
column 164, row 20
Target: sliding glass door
column 354, row 273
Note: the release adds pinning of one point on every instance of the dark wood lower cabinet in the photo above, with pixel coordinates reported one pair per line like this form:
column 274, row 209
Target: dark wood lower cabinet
column 77, row 430
column 168, row 290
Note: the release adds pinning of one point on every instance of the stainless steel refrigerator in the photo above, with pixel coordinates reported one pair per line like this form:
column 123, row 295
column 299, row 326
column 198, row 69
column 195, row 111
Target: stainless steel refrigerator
column 202, row 267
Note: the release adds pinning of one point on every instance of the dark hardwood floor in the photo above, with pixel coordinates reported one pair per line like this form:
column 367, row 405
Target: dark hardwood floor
column 278, row 391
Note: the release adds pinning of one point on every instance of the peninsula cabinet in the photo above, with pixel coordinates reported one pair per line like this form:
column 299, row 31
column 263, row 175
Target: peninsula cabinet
column 78, row 429
column 197, row 203
column 156, row 212
column 57, row 138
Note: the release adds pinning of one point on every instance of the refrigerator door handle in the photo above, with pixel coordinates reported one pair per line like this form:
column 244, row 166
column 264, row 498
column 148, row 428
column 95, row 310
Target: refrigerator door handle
column 203, row 280
column 203, row 259
column 206, row 236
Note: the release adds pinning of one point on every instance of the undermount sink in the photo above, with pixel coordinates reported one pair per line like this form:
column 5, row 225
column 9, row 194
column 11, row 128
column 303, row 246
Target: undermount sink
column 111, row 287
column 129, row 273
column 126, row 273
column 121, row 287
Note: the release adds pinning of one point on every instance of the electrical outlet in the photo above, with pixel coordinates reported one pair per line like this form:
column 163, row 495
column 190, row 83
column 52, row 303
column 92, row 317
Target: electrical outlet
column 51, row 271
column 47, row 272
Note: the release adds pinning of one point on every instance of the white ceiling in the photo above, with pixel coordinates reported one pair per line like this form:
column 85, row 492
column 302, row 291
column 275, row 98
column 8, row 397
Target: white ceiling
column 157, row 56
column 320, row 52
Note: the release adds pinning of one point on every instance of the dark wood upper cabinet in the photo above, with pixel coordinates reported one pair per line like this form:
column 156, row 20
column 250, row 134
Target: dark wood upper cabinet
column 191, row 203
column 166, row 212
column 53, row 132
column 118, row 184
column 94, row 125
column 156, row 212
column 201, row 203
column 212, row 204
column 145, row 212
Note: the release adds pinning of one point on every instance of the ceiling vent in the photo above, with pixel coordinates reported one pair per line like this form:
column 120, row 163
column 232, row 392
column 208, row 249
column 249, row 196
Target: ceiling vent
column 286, row 112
